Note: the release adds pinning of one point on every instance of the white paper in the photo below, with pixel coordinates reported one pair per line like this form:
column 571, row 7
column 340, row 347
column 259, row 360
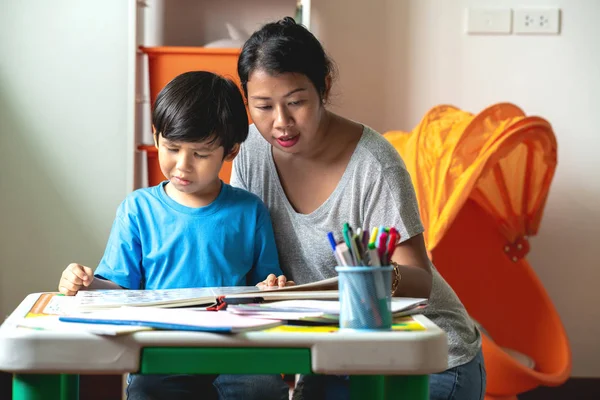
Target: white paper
column 176, row 319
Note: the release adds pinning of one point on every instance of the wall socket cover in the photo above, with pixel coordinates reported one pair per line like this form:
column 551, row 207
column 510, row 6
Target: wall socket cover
column 495, row 21
column 544, row 21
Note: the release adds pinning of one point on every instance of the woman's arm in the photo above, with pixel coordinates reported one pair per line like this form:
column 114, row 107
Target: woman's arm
column 415, row 269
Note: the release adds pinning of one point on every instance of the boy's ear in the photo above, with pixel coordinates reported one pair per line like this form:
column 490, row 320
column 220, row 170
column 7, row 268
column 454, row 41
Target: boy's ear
column 155, row 136
column 234, row 152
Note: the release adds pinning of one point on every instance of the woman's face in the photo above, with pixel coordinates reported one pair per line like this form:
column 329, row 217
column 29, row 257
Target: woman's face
column 286, row 109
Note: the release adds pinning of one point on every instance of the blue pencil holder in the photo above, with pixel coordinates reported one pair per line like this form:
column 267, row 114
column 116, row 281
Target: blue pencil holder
column 365, row 297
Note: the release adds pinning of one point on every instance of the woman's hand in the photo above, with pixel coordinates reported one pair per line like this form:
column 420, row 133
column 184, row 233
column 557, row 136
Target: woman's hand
column 415, row 268
column 275, row 281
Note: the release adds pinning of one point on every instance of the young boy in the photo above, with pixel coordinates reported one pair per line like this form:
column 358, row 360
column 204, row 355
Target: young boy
column 192, row 230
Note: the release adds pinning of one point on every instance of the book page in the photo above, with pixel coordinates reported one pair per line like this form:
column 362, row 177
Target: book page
column 93, row 299
column 398, row 304
column 98, row 299
column 52, row 323
column 325, row 284
column 51, row 304
column 276, row 295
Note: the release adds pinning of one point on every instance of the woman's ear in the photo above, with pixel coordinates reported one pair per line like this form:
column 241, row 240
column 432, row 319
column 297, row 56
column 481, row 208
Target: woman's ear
column 328, row 81
column 234, row 152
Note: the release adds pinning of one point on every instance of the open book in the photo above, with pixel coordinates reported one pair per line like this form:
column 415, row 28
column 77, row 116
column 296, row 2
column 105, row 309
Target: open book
column 165, row 298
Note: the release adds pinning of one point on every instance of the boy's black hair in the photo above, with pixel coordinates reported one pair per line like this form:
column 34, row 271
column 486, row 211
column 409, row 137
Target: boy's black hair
column 197, row 106
column 285, row 46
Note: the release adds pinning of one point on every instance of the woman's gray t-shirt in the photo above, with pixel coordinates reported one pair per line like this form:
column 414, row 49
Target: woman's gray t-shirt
column 375, row 190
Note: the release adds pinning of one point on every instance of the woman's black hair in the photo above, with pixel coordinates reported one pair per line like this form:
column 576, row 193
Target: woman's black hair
column 197, row 106
column 285, row 46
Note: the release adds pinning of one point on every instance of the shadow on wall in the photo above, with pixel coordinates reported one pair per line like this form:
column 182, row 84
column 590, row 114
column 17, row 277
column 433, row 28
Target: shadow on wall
column 39, row 233
column 564, row 257
column 366, row 45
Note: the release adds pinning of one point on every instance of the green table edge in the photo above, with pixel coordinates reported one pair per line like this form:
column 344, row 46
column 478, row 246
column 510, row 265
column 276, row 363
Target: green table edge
column 230, row 360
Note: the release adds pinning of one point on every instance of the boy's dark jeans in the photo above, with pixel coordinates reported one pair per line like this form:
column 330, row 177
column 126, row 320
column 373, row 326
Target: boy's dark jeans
column 209, row 387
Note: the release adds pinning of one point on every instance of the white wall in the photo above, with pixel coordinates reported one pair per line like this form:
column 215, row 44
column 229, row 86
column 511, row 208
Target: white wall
column 64, row 134
column 406, row 56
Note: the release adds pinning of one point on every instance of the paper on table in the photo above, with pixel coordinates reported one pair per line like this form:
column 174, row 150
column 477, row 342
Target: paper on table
column 278, row 295
column 51, row 304
column 322, row 318
column 399, row 304
column 173, row 319
column 52, row 323
column 400, row 324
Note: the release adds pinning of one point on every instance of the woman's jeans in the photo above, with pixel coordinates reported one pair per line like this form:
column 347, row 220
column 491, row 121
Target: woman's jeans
column 465, row 382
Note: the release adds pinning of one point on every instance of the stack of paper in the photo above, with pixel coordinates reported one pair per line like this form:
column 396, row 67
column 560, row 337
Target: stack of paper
column 325, row 311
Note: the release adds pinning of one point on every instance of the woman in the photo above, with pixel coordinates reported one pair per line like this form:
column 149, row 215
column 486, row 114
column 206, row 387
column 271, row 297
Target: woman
column 316, row 170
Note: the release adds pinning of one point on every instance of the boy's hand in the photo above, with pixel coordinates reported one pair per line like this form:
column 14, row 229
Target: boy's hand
column 272, row 281
column 73, row 278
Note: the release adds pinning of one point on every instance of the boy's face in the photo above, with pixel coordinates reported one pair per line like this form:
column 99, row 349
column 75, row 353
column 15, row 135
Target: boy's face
column 192, row 169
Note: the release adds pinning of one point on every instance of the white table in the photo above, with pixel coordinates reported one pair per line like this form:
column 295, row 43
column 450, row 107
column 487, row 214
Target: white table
column 47, row 364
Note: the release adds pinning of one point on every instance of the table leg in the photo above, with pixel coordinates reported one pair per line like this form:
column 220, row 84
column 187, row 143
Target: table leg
column 379, row 387
column 45, row 387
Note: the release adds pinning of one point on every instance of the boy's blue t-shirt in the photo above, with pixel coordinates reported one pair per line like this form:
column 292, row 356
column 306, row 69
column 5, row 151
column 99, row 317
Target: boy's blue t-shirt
column 157, row 243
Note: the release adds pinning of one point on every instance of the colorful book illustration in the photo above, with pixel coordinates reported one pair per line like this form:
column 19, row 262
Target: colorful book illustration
column 45, row 312
column 51, row 304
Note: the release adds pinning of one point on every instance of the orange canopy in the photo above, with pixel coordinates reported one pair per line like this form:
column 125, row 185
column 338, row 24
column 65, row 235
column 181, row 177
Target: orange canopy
column 500, row 158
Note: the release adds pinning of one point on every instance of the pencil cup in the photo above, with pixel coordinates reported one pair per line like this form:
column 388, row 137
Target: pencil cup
column 365, row 297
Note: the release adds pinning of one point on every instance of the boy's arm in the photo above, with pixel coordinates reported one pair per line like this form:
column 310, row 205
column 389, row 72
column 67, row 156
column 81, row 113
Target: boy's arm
column 78, row 277
column 266, row 258
column 121, row 264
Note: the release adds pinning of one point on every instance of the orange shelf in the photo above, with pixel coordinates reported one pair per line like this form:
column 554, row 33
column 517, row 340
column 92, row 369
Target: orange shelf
column 164, row 64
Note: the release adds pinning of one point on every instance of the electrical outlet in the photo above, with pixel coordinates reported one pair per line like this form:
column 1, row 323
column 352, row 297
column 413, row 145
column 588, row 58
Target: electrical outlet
column 536, row 21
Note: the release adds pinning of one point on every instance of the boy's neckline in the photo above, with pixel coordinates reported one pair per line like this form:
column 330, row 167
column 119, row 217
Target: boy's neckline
column 194, row 200
column 204, row 210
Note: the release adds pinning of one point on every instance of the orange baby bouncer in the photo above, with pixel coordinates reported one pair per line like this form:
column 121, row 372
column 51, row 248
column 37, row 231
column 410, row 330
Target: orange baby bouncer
column 482, row 183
